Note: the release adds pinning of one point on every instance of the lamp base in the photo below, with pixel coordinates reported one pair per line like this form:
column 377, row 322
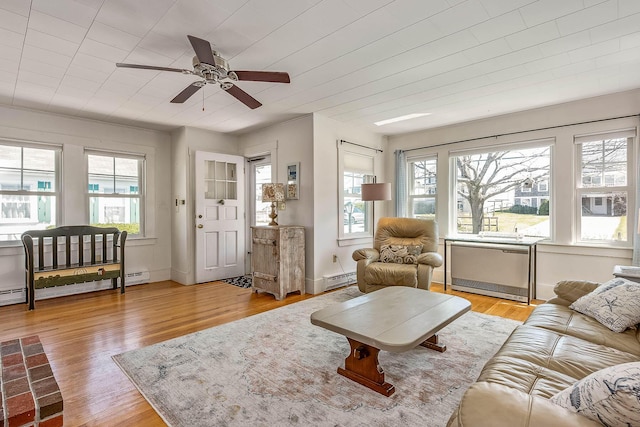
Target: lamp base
column 273, row 215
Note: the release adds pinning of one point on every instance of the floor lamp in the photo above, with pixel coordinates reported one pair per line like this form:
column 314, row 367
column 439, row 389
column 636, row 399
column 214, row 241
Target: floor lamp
column 373, row 192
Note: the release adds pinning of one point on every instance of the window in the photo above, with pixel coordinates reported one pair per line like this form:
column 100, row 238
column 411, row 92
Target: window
column 603, row 187
column 494, row 189
column 422, row 187
column 356, row 166
column 260, row 174
column 115, row 191
column 29, row 188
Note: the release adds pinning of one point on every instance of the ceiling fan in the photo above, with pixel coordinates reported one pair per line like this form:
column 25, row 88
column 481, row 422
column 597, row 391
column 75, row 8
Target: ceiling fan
column 212, row 68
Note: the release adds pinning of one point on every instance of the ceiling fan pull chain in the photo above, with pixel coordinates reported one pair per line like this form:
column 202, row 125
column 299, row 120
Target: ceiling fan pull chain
column 203, row 100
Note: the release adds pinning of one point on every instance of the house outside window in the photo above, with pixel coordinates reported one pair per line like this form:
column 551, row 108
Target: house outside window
column 114, row 191
column 603, row 186
column 29, row 188
column 422, row 187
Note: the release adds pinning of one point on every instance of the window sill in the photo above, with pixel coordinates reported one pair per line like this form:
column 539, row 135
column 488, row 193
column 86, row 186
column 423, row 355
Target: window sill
column 352, row 241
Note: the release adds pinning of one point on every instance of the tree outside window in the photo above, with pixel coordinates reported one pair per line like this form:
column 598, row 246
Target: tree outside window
column 422, row 188
column 490, row 187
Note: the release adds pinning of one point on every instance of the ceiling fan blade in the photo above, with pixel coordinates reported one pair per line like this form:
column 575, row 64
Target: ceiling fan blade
column 264, row 76
column 186, row 93
column 150, row 67
column 202, row 48
column 243, row 96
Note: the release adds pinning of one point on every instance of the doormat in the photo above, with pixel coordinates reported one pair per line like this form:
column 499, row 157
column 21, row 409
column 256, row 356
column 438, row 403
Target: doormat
column 241, row 281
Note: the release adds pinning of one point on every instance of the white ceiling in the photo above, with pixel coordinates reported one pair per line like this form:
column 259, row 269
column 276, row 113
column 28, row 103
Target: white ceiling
column 356, row 61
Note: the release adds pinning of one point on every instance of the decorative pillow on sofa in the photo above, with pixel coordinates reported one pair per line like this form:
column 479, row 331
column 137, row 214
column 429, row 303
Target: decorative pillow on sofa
column 615, row 304
column 608, row 396
column 400, row 254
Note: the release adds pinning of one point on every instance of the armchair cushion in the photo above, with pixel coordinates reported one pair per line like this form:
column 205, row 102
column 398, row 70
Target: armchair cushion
column 400, row 254
column 391, row 274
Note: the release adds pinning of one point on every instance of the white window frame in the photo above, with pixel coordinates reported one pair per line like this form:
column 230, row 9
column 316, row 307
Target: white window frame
column 580, row 191
column 410, row 185
column 252, row 164
column 141, row 158
column 57, row 193
column 507, row 146
column 368, row 155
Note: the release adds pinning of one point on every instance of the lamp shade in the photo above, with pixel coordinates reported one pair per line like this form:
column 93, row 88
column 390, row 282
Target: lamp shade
column 273, row 192
column 376, row 191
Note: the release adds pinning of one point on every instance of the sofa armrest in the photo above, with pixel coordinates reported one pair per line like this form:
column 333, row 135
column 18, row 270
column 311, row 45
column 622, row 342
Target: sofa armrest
column 571, row 290
column 366, row 253
column 433, row 259
column 495, row 405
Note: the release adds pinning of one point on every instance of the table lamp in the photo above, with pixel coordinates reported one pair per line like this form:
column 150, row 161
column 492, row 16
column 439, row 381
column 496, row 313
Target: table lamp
column 273, row 192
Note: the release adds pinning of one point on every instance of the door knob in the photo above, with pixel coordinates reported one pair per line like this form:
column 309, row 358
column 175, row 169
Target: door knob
column 221, row 201
column 200, row 226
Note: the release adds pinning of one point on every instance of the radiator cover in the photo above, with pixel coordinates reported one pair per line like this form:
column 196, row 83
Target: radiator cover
column 490, row 269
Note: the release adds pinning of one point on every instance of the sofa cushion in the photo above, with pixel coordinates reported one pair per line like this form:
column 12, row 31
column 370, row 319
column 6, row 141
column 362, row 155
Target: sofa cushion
column 400, row 254
column 560, row 318
column 615, row 304
column 609, row 396
column 390, row 274
column 543, row 362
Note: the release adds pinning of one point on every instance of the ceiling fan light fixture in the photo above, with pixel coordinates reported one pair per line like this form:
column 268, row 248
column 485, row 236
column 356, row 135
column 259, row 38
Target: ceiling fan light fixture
column 401, row 118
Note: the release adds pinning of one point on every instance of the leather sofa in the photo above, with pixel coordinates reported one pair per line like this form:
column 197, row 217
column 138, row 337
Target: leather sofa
column 554, row 348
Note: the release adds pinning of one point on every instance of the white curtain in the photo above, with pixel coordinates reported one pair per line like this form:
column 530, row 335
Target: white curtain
column 401, row 183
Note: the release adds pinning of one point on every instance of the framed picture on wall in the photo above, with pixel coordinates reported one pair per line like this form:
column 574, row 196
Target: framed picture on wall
column 293, row 183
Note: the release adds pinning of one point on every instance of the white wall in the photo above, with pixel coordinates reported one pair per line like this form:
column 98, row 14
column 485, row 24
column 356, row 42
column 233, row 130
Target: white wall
column 289, row 142
column 326, row 206
column 152, row 253
column 185, row 142
column 562, row 259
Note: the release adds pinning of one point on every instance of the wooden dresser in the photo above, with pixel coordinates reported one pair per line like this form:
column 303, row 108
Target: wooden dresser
column 277, row 259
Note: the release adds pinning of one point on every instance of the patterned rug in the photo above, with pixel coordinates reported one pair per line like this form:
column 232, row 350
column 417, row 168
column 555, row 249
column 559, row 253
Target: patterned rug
column 241, row 281
column 277, row 369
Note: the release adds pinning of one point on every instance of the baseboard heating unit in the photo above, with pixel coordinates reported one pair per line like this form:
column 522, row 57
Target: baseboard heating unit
column 337, row 280
column 496, row 270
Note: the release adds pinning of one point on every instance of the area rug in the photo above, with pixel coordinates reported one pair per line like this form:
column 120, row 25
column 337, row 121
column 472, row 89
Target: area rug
column 241, row 281
column 277, row 369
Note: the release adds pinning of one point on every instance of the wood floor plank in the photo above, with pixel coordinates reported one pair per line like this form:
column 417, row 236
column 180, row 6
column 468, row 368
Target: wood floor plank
column 80, row 333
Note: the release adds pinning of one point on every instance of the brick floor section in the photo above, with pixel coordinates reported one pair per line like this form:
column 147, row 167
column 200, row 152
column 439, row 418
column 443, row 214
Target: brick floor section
column 29, row 393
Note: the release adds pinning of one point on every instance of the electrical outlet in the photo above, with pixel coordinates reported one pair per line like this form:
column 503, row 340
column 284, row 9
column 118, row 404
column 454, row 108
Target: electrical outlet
column 335, row 258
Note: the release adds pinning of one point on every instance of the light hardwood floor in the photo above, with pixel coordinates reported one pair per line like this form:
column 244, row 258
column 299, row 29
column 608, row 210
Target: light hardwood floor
column 80, row 333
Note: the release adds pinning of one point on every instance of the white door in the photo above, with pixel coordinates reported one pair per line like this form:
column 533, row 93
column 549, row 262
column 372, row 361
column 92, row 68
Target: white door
column 219, row 216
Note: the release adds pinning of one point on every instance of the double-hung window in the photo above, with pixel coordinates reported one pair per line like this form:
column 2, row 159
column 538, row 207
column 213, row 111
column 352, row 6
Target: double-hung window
column 116, row 191
column 422, row 187
column 603, row 186
column 29, row 188
column 356, row 167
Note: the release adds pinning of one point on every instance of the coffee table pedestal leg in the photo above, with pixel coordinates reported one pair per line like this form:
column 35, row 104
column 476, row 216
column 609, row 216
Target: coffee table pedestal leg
column 433, row 344
column 362, row 367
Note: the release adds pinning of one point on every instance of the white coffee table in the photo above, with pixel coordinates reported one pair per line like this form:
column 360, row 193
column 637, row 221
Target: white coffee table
column 395, row 318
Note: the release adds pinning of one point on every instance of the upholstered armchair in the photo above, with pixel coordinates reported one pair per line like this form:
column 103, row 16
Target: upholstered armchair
column 404, row 253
